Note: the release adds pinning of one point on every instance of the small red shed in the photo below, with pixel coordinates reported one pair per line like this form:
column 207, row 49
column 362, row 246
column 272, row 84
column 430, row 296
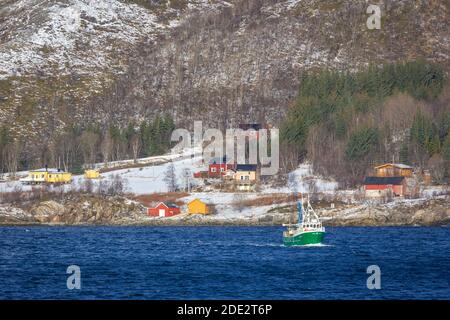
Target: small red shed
column 164, row 209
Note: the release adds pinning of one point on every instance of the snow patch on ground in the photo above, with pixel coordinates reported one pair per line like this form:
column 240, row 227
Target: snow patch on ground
column 303, row 180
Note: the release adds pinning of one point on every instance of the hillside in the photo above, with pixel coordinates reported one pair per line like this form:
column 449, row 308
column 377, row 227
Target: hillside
column 76, row 62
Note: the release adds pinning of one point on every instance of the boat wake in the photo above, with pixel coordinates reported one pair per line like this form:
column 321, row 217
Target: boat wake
column 311, row 245
column 264, row 245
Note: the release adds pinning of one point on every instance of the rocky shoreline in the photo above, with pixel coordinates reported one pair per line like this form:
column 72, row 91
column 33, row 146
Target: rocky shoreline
column 92, row 210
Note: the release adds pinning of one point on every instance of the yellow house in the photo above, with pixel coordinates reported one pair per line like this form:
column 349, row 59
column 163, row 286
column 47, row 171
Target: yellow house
column 92, row 174
column 245, row 177
column 245, row 173
column 47, row 176
column 59, row 177
column 197, row 206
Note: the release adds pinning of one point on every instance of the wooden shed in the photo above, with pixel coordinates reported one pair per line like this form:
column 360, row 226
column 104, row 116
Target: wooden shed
column 197, row 206
column 92, row 174
column 164, row 209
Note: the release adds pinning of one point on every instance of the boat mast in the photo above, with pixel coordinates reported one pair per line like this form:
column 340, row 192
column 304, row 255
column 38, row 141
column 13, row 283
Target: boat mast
column 300, row 211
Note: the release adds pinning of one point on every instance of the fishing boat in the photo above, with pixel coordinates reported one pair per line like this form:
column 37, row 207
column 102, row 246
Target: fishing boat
column 308, row 230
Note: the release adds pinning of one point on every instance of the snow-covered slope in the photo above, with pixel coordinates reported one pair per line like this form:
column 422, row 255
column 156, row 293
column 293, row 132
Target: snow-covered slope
column 150, row 179
column 304, row 180
column 70, row 36
column 82, row 36
column 69, row 51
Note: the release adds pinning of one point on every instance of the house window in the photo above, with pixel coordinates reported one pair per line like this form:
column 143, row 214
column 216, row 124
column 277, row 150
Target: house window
column 222, row 169
column 213, row 169
column 247, row 178
column 242, row 177
column 42, row 176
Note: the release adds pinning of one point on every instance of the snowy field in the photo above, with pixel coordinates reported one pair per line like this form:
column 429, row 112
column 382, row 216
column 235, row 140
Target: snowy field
column 150, row 179
column 143, row 180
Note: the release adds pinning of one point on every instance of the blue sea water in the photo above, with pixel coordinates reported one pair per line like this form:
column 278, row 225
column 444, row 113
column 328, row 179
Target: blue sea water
column 222, row 263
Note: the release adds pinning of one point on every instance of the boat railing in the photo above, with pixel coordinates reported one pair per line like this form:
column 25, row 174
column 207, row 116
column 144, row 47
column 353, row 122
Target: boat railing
column 290, row 225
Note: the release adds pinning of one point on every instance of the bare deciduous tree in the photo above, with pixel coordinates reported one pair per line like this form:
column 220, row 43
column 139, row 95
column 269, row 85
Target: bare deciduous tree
column 116, row 185
column 106, row 148
column 11, row 158
column 170, row 178
column 135, row 146
column 89, row 143
column 187, row 175
column 238, row 202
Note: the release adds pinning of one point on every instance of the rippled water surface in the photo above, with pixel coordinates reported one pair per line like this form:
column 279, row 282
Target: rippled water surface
column 222, row 263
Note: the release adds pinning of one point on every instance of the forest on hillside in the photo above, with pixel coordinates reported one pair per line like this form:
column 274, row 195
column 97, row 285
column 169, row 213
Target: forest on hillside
column 343, row 123
column 80, row 147
column 346, row 123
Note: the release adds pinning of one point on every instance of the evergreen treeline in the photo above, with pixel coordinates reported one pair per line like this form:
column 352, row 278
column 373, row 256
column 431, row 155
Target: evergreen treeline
column 78, row 147
column 346, row 122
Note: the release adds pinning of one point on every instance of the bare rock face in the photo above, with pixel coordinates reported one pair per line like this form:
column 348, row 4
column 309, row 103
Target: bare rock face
column 48, row 212
column 87, row 210
column 431, row 217
column 423, row 212
column 98, row 210
column 10, row 214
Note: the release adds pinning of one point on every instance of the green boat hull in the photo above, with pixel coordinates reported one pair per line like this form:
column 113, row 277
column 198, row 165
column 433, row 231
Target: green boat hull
column 304, row 238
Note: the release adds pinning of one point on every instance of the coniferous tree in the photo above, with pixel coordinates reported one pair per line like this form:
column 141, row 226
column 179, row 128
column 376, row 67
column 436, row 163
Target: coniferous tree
column 404, row 154
column 446, row 158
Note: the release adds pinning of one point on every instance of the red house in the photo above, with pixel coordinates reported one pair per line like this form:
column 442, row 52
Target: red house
column 164, row 209
column 378, row 186
column 218, row 167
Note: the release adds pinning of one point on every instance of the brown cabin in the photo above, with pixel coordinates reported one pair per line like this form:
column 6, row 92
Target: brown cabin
column 393, row 170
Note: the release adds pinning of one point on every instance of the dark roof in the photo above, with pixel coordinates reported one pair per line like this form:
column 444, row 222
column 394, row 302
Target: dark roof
column 246, row 167
column 384, row 180
column 171, row 204
column 49, row 170
column 246, row 126
column 219, row 160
